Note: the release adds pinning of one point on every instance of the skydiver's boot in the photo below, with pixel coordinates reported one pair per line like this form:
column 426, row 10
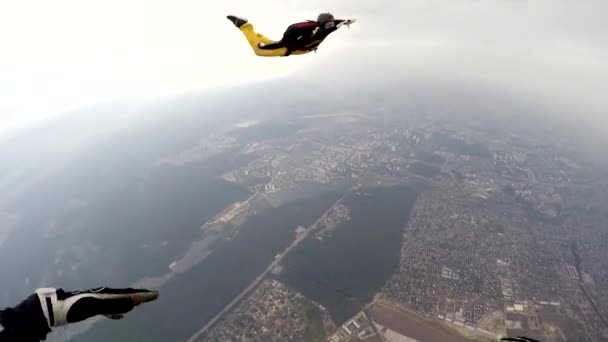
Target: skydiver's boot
column 237, row 21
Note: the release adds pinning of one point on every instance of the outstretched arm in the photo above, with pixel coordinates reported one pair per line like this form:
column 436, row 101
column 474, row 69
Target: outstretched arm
column 340, row 22
column 36, row 316
column 334, row 25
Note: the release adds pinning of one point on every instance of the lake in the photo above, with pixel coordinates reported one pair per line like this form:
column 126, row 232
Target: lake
column 343, row 272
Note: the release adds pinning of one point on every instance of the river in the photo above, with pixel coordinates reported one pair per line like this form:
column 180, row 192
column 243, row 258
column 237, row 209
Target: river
column 190, row 299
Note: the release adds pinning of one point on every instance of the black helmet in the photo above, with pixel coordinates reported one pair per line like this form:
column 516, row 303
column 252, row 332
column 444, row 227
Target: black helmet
column 324, row 18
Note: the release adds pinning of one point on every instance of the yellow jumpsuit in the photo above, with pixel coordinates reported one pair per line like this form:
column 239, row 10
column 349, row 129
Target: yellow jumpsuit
column 255, row 39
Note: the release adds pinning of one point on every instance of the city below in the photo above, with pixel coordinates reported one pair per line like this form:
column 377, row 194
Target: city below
column 503, row 239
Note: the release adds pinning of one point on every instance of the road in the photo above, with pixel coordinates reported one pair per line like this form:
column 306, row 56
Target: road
column 272, row 265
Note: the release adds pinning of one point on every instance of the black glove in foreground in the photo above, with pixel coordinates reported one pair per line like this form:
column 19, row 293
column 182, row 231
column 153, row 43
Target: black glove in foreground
column 32, row 319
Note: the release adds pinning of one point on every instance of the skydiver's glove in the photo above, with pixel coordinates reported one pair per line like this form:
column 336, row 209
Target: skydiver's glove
column 48, row 308
column 346, row 22
column 60, row 307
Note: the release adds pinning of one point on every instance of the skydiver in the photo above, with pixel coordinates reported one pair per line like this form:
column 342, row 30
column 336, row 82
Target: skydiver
column 298, row 39
column 47, row 308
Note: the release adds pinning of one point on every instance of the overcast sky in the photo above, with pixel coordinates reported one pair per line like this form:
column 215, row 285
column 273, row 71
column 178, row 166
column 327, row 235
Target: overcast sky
column 63, row 54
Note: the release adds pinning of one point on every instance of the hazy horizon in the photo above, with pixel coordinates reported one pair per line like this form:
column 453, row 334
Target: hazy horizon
column 66, row 55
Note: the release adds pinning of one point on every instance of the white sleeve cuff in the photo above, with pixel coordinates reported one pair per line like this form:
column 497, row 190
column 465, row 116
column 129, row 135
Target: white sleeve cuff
column 55, row 311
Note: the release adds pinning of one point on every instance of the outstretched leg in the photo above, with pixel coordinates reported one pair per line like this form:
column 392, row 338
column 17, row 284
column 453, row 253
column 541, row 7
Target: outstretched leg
column 255, row 39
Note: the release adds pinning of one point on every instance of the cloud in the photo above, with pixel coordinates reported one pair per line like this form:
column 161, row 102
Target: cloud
column 555, row 51
column 67, row 52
